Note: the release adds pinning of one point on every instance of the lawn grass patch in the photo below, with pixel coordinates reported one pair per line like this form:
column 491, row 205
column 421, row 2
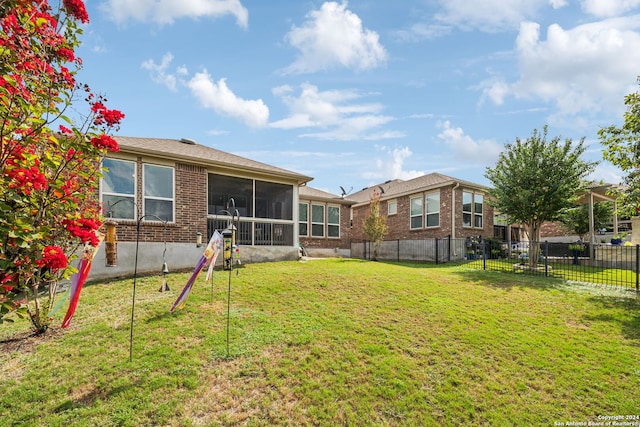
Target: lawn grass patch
column 334, row 342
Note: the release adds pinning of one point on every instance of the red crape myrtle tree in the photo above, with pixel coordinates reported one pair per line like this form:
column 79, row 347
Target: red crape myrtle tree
column 49, row 162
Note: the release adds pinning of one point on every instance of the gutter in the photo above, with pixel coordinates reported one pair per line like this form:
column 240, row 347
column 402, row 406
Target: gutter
column 453, row 210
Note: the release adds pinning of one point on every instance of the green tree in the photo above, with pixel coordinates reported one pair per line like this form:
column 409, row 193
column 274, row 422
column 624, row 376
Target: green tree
column 375, row 225
column 622, row 149
column 576, row 219
column 534, row 180
column 49, row 163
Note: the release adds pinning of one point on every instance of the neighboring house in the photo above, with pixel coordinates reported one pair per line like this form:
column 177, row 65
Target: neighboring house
column 430, row 206
column 152, row 180
column 324, row 226
column 593, row 193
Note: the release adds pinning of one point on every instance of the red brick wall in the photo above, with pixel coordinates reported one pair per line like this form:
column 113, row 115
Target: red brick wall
column 190, row 209
column 344, row 242
column 399, row 227
column 553, row 229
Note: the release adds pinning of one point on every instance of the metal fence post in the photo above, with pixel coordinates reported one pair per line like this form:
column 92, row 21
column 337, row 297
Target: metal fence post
column 484, row 254
column 437, row 244
column 546, row 258
column 637, row 265
column 398, row 250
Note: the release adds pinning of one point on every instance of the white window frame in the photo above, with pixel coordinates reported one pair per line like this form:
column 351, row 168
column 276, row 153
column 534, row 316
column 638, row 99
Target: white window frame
column 306, row 222
column 478, row 216
column 420, row 215
column 171, row 199
column 122, row 197
column 392, row 207
column 322, row 223
column 427, row 211
column 474, row 216
column 332, row 224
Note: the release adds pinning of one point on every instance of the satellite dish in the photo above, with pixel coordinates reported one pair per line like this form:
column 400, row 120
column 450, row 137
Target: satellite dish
column 345, row 192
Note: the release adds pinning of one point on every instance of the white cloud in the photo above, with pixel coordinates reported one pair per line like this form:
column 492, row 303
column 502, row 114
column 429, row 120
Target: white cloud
column 212, row 95
column 465, row 148
column 557, row 4
column 219, row 98
column 490, row 15
column 167, row 11
column 391, row 167
column 336, row 113
column 609, row 8
column 584, row 70
column 423, row 31
column 159, row 71
column 334, row 37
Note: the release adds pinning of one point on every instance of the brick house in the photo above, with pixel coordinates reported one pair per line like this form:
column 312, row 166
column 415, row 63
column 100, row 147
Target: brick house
column 170, row 191
column 324, row 226
column 430, row 206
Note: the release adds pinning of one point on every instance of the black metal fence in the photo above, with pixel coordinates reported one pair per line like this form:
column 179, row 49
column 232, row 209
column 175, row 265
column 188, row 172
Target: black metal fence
column 425, row 250
column 615, row 265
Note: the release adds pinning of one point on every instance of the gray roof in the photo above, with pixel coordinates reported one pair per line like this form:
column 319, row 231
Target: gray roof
column 397, row 187
column 310, row 193
column 189, row 151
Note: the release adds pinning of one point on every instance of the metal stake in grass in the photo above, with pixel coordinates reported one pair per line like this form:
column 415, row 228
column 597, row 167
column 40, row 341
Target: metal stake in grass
column 229, row 238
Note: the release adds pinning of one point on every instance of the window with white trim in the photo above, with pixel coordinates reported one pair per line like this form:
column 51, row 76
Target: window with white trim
column 317, row 220
column 158, row 192
column 477, row 212
column 392, row 207
column 333, row 221
column 303, row 219
column 472, row 208
column 118, row 188
column 416, row 212
column 432, row 209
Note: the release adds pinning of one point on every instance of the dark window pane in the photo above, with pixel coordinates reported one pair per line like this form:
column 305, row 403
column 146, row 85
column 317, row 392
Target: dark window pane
column 433, row 220
column 466, row 220
column 304, row 212
column 162, row 209
column 303, row 229
column 273, row 200
column 119, row 207
column 416, row 222
column 224, row 188
column 317, row 213
column 317, row 230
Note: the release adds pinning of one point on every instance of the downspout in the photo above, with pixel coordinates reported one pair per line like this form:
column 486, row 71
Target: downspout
column 453, row 218
column 453, row 210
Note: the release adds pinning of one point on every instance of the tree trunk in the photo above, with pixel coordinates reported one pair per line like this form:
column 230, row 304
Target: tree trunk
column 534, row 244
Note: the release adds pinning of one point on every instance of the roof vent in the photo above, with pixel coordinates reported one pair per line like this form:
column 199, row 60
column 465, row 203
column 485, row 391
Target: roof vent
column 188, row 141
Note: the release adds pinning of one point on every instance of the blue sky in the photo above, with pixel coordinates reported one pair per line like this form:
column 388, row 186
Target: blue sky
column 360, row 92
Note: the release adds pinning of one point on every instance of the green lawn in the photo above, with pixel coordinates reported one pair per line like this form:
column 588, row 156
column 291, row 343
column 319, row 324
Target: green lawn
column 333, row 342
column 584, row 273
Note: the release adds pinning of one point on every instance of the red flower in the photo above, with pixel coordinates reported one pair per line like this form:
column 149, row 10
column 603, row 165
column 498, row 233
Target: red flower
column 53, row 257
column 84, row 229
column 105, row 116
column 76, row 9
column 65, row 130
column 105, row 142
column 66, row 54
